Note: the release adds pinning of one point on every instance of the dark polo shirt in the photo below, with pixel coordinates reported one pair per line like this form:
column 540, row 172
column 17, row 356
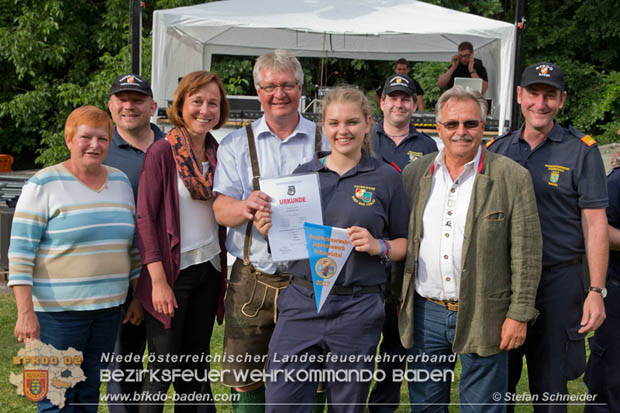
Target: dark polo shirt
column 371, row 195
column 128, row 158
column 568, row 176
column 414, row 146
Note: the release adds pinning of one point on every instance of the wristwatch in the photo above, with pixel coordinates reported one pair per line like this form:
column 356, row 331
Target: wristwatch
column 472, row 72
column 601, row 291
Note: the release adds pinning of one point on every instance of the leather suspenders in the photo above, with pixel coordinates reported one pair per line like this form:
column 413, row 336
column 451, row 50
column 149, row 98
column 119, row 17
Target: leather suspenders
column 255, row 187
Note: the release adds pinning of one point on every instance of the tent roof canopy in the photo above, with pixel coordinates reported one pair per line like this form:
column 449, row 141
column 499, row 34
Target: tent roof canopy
column 185, row 38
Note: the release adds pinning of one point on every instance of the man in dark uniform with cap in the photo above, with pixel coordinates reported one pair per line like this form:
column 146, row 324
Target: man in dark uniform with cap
column 603, row 372
column 401, row 67
column 571, row 196
column 397, row 142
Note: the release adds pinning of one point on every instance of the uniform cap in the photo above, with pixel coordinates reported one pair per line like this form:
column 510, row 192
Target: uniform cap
column 545, row 73
column 399, row 83
column 131, row 83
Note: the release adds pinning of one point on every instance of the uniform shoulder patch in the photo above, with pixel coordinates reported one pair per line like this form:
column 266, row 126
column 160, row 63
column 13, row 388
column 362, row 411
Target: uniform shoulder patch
column 588, row 140
column 497, row 138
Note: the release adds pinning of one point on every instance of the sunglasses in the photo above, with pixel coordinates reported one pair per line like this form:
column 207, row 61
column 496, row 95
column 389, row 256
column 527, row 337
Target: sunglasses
column 454, row 124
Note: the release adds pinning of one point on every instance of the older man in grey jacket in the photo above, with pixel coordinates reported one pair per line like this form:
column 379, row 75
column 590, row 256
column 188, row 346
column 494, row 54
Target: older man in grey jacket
column 473, row 262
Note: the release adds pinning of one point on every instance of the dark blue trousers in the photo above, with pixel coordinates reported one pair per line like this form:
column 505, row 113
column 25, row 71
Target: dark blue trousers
column 385, row 396
column 91, row 332
column 554, row 350
column 348, row 327
column 603, row 371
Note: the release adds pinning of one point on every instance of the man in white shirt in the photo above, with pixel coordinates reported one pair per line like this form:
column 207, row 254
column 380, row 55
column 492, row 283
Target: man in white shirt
column 282, row 139
column 473, row 262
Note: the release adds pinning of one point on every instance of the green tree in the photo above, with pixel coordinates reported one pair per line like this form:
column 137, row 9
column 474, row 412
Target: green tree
column 59, row 54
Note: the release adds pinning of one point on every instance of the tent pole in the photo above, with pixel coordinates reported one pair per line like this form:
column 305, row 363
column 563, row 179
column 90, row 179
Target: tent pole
column 520, row 29
column 136, row 37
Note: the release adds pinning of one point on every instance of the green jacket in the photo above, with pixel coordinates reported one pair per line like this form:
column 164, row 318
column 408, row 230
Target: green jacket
column 502, row 253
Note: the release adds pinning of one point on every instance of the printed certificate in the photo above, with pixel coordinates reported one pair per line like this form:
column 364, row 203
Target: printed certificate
column 295, row 199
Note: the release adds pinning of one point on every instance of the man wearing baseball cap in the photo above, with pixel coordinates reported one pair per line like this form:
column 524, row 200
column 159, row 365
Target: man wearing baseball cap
column 401, row 67
column 571, row 196
column 396, row 142
column 131, row 105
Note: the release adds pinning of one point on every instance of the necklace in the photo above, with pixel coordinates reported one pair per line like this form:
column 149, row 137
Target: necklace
column 199, row 153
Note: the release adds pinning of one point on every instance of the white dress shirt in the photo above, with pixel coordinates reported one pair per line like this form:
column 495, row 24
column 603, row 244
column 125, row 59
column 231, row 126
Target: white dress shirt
column 276, row 157
column 445, row 213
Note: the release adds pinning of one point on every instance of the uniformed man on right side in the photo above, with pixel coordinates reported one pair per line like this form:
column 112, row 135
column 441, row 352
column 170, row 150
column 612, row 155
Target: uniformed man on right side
column 603, row 373
column 571, row 195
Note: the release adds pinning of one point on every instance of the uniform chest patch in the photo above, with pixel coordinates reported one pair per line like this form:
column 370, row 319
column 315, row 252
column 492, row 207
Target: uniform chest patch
column 364, row 195
column 555, row 172
column 414, row 155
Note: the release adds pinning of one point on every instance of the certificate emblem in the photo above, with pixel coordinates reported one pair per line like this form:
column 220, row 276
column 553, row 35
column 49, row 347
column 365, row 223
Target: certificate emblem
column 325, row 267
column 291, row 190
column 35, row 384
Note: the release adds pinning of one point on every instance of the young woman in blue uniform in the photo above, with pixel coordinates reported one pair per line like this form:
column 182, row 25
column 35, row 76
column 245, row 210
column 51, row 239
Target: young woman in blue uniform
column 348, row 327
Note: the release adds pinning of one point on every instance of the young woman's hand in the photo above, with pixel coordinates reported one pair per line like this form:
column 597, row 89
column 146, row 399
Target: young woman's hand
column 362, row 240
column 262, row 220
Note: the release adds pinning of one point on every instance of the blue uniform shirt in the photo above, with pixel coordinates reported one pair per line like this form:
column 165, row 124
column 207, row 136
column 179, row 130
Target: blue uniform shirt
column 385, row 215
column 128, row 158
column 613, row 217
column 568, row 175
column 414, row 146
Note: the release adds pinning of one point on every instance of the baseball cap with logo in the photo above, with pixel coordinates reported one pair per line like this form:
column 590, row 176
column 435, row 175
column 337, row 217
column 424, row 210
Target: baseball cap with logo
column 131, row 83
column 399, row 83
column 545, row 73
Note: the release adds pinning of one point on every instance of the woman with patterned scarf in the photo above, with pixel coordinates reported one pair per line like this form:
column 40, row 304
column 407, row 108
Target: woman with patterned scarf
column 181, row 245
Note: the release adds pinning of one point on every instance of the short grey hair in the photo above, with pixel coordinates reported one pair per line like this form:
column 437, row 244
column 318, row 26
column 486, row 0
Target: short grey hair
column 279, row 60
column 460, row 93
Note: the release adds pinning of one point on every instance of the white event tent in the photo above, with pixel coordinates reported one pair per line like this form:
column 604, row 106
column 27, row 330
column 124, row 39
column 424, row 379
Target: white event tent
column 186, row 38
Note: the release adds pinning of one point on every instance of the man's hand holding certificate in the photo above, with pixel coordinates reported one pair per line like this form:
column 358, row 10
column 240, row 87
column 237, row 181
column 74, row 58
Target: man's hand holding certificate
column 295, row 199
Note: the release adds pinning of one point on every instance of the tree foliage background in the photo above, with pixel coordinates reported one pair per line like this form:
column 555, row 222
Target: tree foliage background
column 59, row 54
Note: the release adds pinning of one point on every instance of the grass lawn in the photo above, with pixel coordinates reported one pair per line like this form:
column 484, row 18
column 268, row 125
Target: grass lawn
column 11, row 402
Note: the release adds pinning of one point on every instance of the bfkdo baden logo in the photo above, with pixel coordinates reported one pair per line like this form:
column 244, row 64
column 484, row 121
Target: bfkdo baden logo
column 35, row 384
column 47, row 372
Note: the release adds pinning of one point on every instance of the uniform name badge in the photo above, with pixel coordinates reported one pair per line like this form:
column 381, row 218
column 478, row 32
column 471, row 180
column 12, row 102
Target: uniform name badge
column 328, row 250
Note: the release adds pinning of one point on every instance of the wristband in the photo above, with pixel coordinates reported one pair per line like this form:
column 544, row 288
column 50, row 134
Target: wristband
column 382, row 245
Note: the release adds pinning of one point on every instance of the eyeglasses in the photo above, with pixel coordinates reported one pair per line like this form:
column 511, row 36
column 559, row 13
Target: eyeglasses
column 286, row 87
column 464, row 55
column 454, row 124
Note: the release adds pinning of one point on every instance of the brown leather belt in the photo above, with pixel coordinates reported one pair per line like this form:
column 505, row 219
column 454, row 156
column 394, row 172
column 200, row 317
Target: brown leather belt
column 450, row 305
